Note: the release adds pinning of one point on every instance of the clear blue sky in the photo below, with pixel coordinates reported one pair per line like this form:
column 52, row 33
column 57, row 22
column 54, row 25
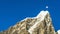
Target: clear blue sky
column 12, row 11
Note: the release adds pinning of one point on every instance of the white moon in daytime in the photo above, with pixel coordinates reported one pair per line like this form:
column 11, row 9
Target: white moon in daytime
column 46, row 6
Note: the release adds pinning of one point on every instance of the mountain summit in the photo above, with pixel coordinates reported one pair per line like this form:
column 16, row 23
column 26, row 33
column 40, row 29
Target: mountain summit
column 41, row 24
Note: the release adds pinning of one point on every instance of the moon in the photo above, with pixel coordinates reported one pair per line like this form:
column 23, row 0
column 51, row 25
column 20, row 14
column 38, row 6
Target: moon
column 46, row 6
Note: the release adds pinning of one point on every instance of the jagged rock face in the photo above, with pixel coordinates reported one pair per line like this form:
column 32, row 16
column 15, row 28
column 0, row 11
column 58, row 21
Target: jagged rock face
column 41, row 24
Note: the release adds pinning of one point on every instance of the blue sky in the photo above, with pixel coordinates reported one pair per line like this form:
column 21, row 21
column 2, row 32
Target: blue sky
column 12, row 11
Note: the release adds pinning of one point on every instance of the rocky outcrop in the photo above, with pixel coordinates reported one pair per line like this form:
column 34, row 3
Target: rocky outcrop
column 41, row 24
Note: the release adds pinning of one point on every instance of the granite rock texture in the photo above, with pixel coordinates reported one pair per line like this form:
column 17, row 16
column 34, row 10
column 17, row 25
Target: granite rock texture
column 41, row 24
